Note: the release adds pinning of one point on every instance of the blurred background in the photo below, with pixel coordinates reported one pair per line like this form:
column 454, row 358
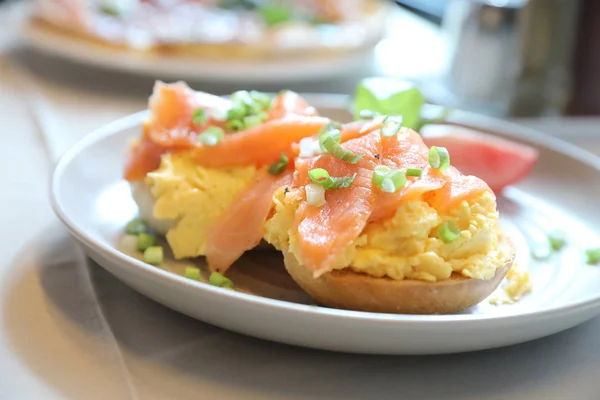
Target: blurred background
column 506, row 58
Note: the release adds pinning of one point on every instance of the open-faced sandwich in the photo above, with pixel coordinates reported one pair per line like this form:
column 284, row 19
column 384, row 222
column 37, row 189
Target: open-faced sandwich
column 380, row 222
column 367, row 214
column 219, row 29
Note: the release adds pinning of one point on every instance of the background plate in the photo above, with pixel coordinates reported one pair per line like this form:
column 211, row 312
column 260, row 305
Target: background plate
column 166, row 66
column 93, row 201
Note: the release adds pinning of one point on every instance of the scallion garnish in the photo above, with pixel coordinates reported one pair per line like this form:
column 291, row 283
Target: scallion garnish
column 263, row 99
column 217, row 279
column 439, row 158
column 234, row 125
column 192, row 273
column 379, row 173
column 387, row 179
column 136, row 226
column 145, row 240
column 393, row 182
column 414, row 172
column 391, row 125
column 322, row 178
column 367, row 114
column 332, row 147
column 449, row 232
column 280, row 165
column 315, row 195
column 211, row 136
column 332, row 129
column 236, row 112
column 199, row 116
column 154, row 255
column 251, row 121
column 593, row 255
column 557, row 240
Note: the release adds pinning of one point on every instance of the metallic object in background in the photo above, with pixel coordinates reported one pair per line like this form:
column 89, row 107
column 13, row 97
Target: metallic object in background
column 511, row 57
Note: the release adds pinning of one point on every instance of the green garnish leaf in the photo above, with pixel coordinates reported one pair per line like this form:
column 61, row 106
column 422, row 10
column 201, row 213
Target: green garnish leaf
column 439, row 158
column 199, row 116
column 322, row 178
column 252, row 121
column 390, row 97
column 279, row 166
column 211, row 136
column 449, row 232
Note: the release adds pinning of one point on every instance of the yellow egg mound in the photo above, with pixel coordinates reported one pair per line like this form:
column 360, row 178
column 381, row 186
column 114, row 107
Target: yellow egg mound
column 407, row 246
column 195, row 197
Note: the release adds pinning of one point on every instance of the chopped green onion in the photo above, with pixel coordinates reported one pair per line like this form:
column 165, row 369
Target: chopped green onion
column 279, row 166
column 217, row 279
column 145, row 240
column 449, row 232
column 387, row 179
column 199, row 116
column 274, row 14
column 263, row 99
column 367, row 114
column 252, row 121
column 211, row 136
column 557, row 240
column 333, row 130
column 414, row 172
column 593, row 255
column 136, row 226
column 439, row 158
column 335, row 149
column 391, row 125
column 192, row 273
column 379, row 174
column 234, row 125
column 322, row 178
column 153, row 255
column 110, row 9
column 393, row 182
column 237, row 111
column 315, row 195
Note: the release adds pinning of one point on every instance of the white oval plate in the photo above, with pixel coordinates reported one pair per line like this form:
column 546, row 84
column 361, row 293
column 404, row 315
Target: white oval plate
column 174, row 67
column 94, row 202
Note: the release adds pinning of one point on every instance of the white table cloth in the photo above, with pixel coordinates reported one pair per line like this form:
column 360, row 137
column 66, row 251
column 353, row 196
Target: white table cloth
column 69, row 330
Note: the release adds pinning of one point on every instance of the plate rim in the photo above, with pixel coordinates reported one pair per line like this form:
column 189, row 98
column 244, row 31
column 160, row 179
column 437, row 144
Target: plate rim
column 521, row 133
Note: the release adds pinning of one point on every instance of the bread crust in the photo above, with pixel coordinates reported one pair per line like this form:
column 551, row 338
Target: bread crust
column 349, row 290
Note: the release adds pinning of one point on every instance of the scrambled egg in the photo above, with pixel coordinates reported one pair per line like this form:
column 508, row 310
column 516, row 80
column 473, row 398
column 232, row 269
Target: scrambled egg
column 518, row 284
column 407, row 246
column 193, row 197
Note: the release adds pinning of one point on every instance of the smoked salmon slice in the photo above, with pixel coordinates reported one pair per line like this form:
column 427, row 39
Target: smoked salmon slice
column 170, row 127
column 324, row 232
column 241, row 226
column 288, row 102
column 261, row 145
